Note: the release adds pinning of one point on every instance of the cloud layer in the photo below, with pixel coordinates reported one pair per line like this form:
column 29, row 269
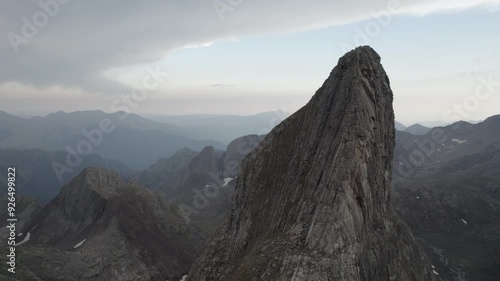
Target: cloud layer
column 70, row 44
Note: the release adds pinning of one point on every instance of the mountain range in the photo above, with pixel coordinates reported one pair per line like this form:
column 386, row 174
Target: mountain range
column 447, row 188
column 225, row 128
column 312, row 199
column 133, row 140
column 38, row 174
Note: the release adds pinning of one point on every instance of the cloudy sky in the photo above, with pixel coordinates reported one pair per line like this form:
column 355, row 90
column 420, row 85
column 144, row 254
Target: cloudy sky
column 244, row 56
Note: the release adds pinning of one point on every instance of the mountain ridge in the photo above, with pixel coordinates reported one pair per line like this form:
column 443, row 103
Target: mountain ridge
column 108, row 134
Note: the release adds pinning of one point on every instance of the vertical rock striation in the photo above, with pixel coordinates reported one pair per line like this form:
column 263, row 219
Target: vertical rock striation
column 313, row 200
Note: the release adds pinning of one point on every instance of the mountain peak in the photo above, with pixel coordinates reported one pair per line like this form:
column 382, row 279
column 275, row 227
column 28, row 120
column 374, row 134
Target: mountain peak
column 183, row 151
column 207, row 150
column 417, row 129
column 312, row 201
column 363, row 52
column 101, row 180
column 98, row 223
column 493, row 119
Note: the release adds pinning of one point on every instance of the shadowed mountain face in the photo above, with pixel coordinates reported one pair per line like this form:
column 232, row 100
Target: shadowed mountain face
column 200, row 182
column 211, row 167
column 131, row 139
column 447, row 187
column 166, row 170
column 312, row 201
column 26, row 208
column 102, row 228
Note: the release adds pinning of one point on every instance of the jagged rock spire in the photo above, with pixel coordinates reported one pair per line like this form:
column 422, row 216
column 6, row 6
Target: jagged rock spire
column 313, row 200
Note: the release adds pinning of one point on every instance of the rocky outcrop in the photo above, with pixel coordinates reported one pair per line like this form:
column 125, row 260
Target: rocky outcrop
column 200, row 183
column 313, row 200
column 102, row 228
column 165, row 171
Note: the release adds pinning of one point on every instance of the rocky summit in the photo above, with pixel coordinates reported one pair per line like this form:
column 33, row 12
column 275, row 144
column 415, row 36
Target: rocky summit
column 312, row 201
column 101, row 227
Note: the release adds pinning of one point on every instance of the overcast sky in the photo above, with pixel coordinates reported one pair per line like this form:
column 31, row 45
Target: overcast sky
column 245, row 56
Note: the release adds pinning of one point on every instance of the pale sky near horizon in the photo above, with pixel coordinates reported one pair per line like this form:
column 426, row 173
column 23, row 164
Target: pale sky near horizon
column 255, row 56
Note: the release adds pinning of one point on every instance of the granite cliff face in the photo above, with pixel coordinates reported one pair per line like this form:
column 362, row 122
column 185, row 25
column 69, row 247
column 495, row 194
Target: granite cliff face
column 312, row 201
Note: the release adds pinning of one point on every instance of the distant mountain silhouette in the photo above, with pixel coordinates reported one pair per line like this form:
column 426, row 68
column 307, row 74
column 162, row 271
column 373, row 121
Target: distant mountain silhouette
column 225, row 128
column 417, row 129
column 137, row 142
column 35, row 174
column 399, row 126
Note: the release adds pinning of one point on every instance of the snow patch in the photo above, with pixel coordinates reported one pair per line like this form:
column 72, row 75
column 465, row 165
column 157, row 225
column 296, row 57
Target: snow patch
column 20, row 234
column 227, row 180
column 208, row 185
column 184, row 278
column 79, row 244
column 400, row 163
column 465, row 222
column 433, row 266
column 26, row 238
column 435, row 272
column 418, row 197
column 458, row 141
